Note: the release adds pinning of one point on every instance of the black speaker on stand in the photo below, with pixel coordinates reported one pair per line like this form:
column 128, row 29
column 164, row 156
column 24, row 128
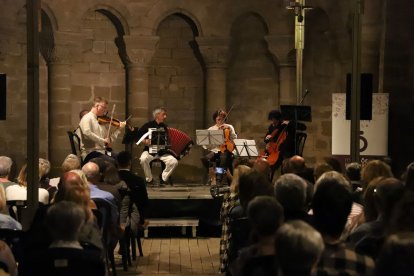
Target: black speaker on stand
column 365, row 99
column 3, row 96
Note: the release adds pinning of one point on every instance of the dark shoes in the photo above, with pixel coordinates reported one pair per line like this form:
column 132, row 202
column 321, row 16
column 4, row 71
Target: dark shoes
column 163, row 183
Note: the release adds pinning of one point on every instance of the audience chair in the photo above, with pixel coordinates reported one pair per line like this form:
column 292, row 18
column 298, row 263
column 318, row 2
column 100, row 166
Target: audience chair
column 300, row 142
column 63, row 262
column 108, row 240
column 15, row 208
column 75, row 143
column 15, row 240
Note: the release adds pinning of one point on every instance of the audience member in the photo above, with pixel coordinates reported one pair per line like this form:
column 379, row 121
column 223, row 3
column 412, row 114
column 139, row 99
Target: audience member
column 265, row 215
column 402, row 215
column 19, row 192
column 5, row 168
column 373, row 169
column 9, row 266
column 397, row 255
column 290, row 191
column 369, row 237
column 332, row 203
column 71, row 162
column 319, row 169
column 229, row 201
column 298, row 248
column 6, row 221
column 334, row 163
column 44, row 181
column 64, row 221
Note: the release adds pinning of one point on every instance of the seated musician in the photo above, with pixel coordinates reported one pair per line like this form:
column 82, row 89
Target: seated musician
column 95, row 138
column 219, row 156
column 160, row 115
column 279, row 140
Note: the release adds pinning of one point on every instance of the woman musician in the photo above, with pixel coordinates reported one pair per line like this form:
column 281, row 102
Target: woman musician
column 220, row 157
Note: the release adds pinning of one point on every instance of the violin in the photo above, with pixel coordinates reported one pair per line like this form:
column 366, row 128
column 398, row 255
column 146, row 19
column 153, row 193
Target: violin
column 105, row 120
column 228, row 142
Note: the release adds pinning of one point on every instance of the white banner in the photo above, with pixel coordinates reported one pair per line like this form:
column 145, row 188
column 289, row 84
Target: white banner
column 373, row 133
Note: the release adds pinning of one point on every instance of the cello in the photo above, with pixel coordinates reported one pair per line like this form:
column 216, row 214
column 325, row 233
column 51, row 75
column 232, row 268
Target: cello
column 272, row 151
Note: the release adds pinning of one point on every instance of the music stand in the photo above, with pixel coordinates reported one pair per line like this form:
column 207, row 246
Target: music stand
column 246, row 148
column 296, row 113
column 158, row 140
column 207, row 137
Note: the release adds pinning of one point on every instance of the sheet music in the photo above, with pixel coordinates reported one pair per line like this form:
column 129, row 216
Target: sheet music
column 207, row 137
column 246, row 147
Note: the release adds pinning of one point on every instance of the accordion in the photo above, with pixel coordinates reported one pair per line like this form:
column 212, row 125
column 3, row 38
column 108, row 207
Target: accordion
column 175, row 142
column 179, row 143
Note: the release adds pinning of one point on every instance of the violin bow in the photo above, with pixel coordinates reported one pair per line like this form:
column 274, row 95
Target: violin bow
column 228, row 113
column 110, row 122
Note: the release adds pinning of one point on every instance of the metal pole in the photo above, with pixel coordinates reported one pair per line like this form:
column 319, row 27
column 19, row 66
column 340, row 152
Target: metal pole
column 33, row 8
column 299, row 45
column 356, row 79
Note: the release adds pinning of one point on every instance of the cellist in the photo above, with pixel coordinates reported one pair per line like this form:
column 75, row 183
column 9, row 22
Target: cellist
column 279, row 140
column 220, row 156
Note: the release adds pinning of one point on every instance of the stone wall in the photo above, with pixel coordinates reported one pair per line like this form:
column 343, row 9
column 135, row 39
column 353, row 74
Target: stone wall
column 191, row 58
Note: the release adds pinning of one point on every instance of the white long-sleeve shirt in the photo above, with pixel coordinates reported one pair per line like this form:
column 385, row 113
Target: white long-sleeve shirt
column 93, row 134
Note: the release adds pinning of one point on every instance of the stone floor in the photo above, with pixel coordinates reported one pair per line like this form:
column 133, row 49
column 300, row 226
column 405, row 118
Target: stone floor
column 176, row 256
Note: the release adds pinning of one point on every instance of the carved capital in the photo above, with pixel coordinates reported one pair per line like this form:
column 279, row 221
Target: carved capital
column 215, row 50
column 281, row 46
column 140, row 49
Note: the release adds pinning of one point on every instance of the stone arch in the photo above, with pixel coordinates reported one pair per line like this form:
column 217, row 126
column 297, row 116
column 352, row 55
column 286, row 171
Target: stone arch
column 51, row 16
column 116, row 18
column 188, row 16
column 46, row 36
column 252, row 77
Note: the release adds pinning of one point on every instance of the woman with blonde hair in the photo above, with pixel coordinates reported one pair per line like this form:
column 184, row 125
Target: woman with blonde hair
column 19, row 192
column 6, row 221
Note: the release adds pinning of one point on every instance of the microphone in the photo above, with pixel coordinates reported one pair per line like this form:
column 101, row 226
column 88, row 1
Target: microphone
column 304, row 96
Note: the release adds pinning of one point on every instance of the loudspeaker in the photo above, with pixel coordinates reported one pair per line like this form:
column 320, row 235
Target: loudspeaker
column 365, row 97
column 3, row 97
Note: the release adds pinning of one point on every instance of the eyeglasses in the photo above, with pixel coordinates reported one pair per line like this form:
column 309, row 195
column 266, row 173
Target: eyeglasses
column 103, row 106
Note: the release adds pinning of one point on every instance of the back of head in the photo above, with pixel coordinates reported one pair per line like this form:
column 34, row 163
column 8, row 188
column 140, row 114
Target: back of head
column 397, row 255
column 71, row 162
column 332, row 203
column 321, row 168
column 265, row 215
column 298, row 247
column 251, row 185
column 334, row 163
column 296, row 164
column 5, row 166
column 402, row 215
column 64, row 220
column 238, row 171
column 353, row 171
column 44, row 167
column 3, row 200
column 409, row 177
column 373, row 169
column 124, row 159
column 111, row 175
column 262, row 166
column 388, row 192
column 91, row 171
column 290, row 191
column 102, row 165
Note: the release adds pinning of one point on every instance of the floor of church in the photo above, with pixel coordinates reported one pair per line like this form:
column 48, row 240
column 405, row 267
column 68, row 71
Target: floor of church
column 176, row 256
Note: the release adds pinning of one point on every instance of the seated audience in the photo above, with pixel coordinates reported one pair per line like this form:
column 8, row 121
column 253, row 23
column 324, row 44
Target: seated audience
column 9, row 265
column 6, row 221
column 229, row 201
column 298, row 248
column 369, row 237
column 71, row 162
column 64, row 221
column 374, row 169
column 19, row 192
column 265, row 215
column 44, row 182
column 397, row 255
column 5, row 168
column 332, row 203
column 290, row 192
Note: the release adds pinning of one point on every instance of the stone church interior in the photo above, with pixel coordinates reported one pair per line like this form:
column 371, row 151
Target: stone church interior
column 259, row 125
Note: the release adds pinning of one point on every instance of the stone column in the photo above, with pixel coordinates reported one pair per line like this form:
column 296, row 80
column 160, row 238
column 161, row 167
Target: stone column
column 59, row 60
column 140, row 50
column 280, row 46
column 215, row 54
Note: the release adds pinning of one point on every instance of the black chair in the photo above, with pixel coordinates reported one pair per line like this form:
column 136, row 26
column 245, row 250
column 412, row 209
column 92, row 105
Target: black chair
column 15, row 208
column 15, row 240
column 109, row 240
column 300, row 142
column 62, row 262
column 75, row 144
